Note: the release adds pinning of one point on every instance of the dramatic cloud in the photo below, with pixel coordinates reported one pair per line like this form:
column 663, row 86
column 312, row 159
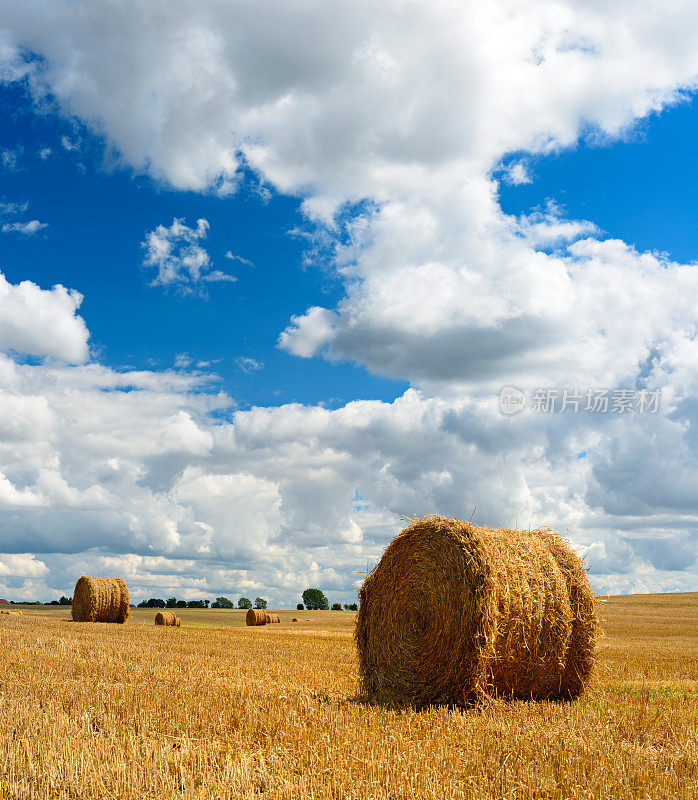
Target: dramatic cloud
column 392, row 121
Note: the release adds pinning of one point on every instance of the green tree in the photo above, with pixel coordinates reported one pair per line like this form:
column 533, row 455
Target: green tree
column 315, row 600
column 223, row 602
column 154, row 602
column 300, row 607
column 352, row 607
column 244, row 602
column 336, row 606
column 260, row 602
column 171, row 602
column 181, row 604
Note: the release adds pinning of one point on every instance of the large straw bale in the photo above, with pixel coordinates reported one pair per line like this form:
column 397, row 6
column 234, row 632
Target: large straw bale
column 100, row 600
column 167, row 618
column 256, row 616
column 454, row 612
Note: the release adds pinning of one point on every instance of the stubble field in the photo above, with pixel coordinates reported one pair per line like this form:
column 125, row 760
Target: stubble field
column 217, row 710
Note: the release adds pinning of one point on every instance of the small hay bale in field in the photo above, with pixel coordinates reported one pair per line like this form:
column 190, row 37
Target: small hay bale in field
column 274, row 618
column 454, row 612
column 100, row 600
column 294, row 620
column 256, row 616
column 167, row 618
column 10, row 613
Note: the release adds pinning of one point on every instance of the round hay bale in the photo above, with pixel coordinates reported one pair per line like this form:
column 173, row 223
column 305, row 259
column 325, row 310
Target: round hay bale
column 167, row 618
column 256, row 616
column 100, row 600
column 453, row 612
column 294, row 620
column 274, row 618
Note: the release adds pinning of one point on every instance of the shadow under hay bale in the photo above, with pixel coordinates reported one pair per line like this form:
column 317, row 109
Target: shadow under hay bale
column 167, row 618
column 100, row 600
column 454, row 612
column 256, row 616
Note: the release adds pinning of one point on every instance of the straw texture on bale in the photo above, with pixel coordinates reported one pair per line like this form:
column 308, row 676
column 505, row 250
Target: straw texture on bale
column 454, row 612
column 167, row 618
column 256, row 616
column 274, row 618
column 100, row 600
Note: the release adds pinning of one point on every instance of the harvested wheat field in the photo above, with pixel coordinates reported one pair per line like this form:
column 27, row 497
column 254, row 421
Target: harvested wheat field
column 137, row 711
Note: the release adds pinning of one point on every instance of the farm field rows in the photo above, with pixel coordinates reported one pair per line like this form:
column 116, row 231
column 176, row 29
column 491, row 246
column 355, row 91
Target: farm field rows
column 218, row 710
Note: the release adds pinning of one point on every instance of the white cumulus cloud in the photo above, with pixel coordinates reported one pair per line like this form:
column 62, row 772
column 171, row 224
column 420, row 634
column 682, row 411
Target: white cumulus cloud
column 391, row 121
column 42, row 322
column 178, row 257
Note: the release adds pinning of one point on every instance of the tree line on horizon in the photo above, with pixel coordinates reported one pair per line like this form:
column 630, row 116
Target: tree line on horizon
column 313, row 600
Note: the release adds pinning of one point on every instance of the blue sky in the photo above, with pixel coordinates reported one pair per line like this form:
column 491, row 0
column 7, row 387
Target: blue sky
column 98, row 214
column 640, row 189
column 302, row 255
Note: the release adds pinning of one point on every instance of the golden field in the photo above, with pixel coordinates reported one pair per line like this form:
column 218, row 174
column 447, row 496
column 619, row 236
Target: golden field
column 218, row 710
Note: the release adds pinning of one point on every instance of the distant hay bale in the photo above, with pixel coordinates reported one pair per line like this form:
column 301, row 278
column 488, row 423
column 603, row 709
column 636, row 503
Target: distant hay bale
column 10, row 613
column 256, row 616
column 454, row 612
column 100, row 600
column 294, row 620
column 274, row 618
column 167, row 618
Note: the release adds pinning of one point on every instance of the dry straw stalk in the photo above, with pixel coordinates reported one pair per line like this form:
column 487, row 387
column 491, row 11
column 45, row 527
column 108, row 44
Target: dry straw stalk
column 100, row 600
column 454, row 612
column 167, row 618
